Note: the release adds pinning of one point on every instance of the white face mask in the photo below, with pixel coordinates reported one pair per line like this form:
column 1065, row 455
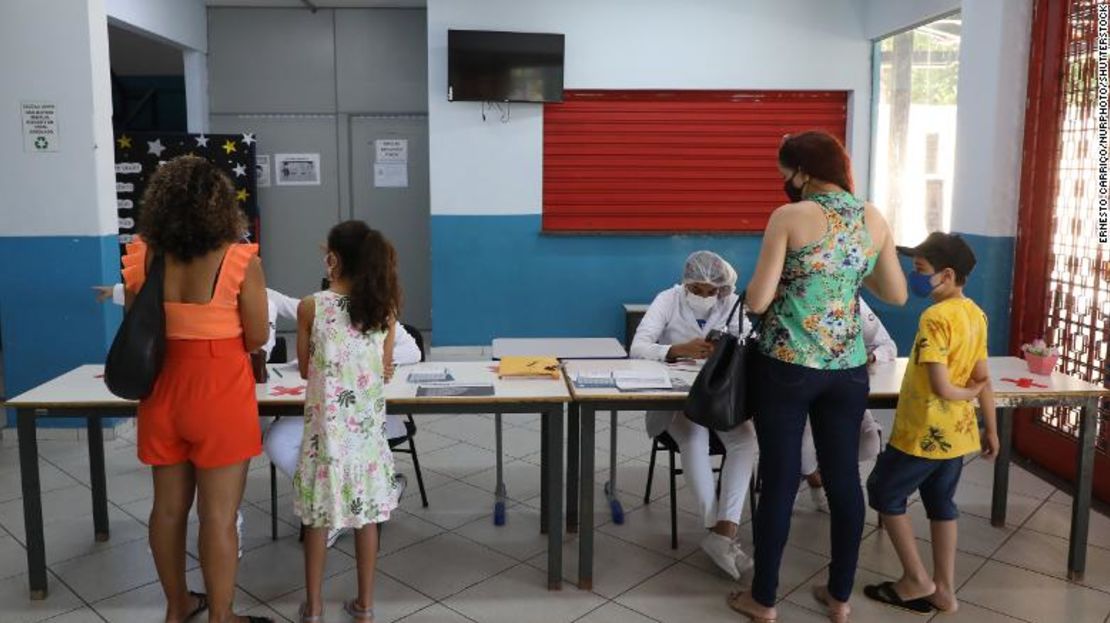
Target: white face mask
column 701, row 305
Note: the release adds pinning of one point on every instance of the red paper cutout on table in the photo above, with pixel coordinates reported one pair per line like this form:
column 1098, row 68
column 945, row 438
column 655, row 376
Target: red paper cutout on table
column 287, row 391
column 1025, row 382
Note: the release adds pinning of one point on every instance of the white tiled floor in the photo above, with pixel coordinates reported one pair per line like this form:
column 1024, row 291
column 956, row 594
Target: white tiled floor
column 449, row 563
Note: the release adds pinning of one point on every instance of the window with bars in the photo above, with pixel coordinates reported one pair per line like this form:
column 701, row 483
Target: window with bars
column 1078, row 314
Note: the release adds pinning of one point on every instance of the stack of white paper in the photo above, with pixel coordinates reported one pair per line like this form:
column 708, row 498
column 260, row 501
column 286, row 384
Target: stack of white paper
column 642, row 379
column 430, row 375
column 596, row 378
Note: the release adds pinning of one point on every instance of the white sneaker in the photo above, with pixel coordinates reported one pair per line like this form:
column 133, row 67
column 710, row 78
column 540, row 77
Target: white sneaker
column 820, row 502
column 334, row 534
column 744, row 562
column 239, row 531
column 400, row 483
column 719, row 548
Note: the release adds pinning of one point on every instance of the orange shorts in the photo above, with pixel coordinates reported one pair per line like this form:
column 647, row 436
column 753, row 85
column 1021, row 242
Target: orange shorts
column 203, row 408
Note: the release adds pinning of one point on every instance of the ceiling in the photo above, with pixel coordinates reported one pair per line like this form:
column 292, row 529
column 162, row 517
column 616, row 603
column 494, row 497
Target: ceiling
column 323, row 4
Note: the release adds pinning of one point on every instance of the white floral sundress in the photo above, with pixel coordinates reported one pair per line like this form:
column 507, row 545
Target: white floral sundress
column 344, row 477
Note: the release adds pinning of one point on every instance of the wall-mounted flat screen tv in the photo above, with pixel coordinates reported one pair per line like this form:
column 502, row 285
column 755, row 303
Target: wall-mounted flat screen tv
column 493, row 66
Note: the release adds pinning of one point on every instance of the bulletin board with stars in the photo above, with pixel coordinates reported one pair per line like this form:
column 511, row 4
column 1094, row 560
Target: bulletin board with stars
column 139, row 154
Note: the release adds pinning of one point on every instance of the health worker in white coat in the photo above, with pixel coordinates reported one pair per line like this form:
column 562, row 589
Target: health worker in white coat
column 676, row 327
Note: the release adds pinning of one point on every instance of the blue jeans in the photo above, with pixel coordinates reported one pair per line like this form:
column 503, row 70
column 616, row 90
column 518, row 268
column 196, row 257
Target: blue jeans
column 835, row 401
column 897, row 475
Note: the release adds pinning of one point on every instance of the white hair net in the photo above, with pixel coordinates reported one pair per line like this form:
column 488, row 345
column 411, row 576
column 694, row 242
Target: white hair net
column 708, row 267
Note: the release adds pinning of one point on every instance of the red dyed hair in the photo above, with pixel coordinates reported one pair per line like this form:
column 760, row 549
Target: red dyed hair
column 817, row 154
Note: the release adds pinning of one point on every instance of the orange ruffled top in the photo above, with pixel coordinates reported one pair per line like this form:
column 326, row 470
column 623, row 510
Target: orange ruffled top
column 216, row 320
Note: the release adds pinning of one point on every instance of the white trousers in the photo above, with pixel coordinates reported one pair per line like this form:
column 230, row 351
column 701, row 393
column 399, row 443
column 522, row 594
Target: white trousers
column 283, row 440
column 868, row 443
column 736, row 474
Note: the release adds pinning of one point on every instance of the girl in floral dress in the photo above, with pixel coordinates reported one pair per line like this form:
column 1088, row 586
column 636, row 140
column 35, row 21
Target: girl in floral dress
column 345, row 476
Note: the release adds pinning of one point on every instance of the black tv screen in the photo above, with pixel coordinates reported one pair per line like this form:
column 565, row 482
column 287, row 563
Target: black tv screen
column 490, row 66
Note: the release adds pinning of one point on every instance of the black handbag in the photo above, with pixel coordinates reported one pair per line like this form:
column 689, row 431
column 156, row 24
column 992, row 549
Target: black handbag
column 139, row 347
column 719, row 396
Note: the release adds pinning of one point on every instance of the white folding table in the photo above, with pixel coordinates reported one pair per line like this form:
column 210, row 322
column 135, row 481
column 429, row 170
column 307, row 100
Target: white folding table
column 81, row 393
column 564, row 349
column 1011, row 392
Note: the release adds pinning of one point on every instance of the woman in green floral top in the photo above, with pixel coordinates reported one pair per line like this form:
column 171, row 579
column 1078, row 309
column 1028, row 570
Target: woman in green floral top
column 817, row 252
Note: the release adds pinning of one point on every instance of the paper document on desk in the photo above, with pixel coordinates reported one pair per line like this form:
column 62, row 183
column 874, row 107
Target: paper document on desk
column 635, row 380
column 444, row 391
column 587, row 380
column 430, row 375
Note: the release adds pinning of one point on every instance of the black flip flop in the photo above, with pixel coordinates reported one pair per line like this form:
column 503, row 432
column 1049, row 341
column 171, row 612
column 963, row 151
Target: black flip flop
column 202, row 605
column 885, row 594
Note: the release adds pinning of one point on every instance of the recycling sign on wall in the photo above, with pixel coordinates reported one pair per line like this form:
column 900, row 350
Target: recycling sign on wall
column 40, row 126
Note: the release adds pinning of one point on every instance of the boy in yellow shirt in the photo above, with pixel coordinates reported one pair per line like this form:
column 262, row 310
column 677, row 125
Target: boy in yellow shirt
column 934, row 426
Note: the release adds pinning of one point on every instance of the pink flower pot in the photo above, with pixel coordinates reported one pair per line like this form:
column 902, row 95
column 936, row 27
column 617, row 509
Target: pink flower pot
column 1043, row 365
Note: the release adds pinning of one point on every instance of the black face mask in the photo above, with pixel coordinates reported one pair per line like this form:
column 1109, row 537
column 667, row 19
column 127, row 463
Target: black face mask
column 792, row 192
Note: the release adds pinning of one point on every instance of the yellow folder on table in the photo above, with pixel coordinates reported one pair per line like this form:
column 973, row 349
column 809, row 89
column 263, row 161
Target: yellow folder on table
column 529, row 367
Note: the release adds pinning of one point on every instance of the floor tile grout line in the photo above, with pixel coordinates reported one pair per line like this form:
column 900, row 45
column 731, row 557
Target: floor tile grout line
column 1018, row 528
column 613, row 602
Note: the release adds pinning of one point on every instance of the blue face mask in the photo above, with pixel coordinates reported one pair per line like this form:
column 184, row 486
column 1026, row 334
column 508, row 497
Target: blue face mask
column 920, row 284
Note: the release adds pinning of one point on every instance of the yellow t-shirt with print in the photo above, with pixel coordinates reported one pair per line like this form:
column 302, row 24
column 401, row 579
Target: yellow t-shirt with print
column 952, row 332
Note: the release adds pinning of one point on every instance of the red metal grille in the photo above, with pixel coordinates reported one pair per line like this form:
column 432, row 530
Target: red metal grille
column 663, row 161
column 1078, row 314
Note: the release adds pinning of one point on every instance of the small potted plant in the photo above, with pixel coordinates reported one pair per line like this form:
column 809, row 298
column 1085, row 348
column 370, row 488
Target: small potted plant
column 1040, row 357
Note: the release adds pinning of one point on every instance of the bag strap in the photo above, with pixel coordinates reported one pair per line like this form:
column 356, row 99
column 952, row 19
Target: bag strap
column 739, row 303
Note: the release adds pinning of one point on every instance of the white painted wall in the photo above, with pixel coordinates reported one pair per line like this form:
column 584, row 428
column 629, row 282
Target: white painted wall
column 63, row 59
column 181, row 22
column 990, row 117
column 495, row 168
column 885, row 17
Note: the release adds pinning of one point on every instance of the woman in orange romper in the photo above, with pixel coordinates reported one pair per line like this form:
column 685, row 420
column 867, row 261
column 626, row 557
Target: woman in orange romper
column 199, row 427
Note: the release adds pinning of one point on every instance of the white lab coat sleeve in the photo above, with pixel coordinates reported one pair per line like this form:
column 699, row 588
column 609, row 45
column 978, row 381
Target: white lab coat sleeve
column 284, row 306
column 876, row 339
column 117, row 294
column 405, row 350
column 645, row 345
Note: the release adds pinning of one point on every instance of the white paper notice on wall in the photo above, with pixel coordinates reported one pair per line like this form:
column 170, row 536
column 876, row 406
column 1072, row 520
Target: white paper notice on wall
column 391, row 175
column 40, row 126
column 262, row 170
column 391, row 150
column 297, row 169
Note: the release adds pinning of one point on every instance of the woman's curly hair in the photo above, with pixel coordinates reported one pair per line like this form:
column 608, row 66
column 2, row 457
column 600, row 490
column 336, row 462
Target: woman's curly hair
column 189, row 209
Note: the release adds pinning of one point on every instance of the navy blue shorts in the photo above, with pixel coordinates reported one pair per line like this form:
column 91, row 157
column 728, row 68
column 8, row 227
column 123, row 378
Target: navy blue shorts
column 897, row 475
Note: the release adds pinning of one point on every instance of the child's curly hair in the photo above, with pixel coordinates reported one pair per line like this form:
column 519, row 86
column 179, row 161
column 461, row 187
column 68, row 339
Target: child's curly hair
column 189, row 209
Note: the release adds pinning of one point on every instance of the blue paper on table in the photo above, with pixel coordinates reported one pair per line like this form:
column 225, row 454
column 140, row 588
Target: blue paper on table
column 444, row 391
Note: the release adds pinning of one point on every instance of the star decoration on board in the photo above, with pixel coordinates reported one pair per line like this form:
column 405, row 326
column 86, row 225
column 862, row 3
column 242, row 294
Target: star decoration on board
column 239, row 170
column 229, row 146
column 248, row 138
column 124, row 142
column 155, row 147
column 242, row 194
column 202, row 140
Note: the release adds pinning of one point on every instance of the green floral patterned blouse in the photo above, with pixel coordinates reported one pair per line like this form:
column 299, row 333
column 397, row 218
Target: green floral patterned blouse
column 814, row 319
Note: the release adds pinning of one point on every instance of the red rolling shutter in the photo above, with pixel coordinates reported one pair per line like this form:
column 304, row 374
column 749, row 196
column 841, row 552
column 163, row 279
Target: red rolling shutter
column 673, row 161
